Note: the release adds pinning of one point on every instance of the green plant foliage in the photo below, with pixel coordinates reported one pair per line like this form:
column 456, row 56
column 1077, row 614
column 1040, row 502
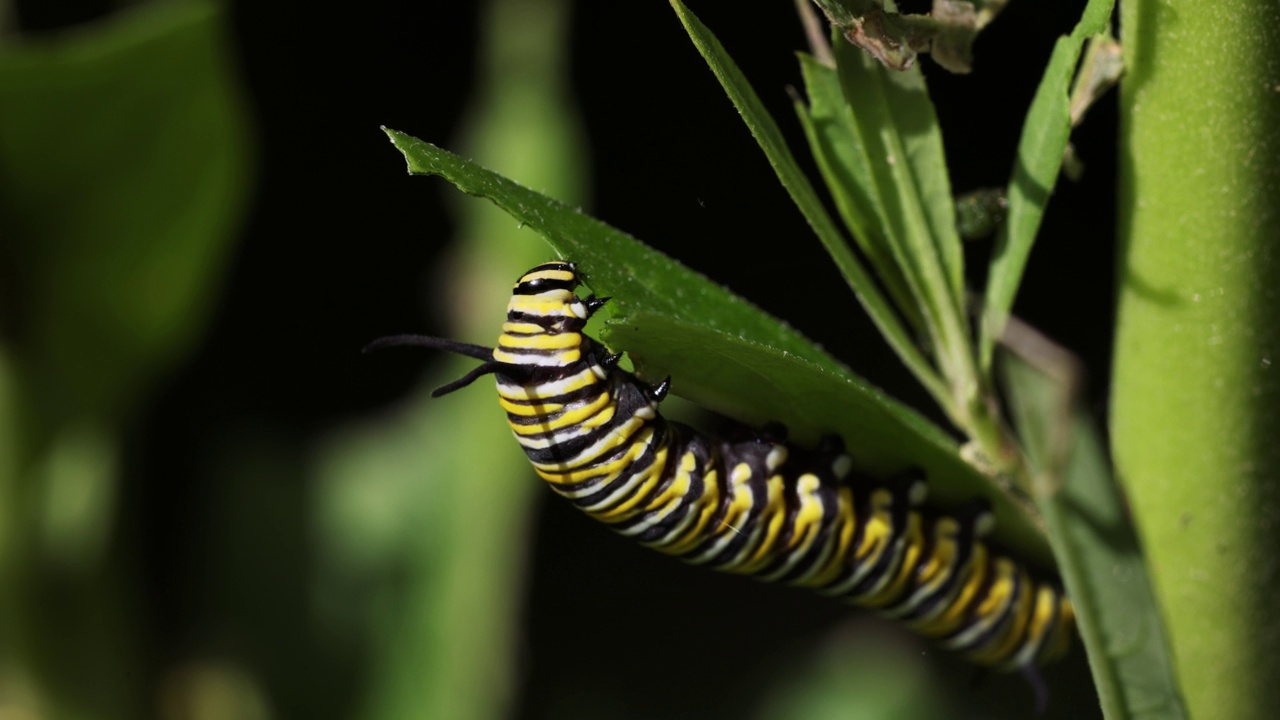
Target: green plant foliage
column 1195, row 399
column 769, row 137
column 756, row 384
column 124, row 166
column 894, row 122
column 846, row 170
column 1040, row 153
column 1097, row 550
column 664, row 312
column 613, row 263
column 859, row 673
column 123, row 158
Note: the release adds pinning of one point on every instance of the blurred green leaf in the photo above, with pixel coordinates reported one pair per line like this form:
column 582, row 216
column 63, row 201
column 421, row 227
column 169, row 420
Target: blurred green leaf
column 77, row 482
column 980, row 212
column 124, row 166
column 861, row 672
column 1097, row 549
column 424, row 519
column 1035, row 172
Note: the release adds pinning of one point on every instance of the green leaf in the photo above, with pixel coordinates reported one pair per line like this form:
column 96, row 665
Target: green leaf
column 1040, row 153
column 895, row 123
column 769, row 137
column 756, row 384
column 612, row 262
column 124, row 162
column 124, row 170
column 672, row 317
column 858, row 671
column 1097, row 550
column 846, row 169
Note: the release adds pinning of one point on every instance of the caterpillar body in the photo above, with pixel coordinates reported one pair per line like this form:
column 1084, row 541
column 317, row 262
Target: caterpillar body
column 749, row 504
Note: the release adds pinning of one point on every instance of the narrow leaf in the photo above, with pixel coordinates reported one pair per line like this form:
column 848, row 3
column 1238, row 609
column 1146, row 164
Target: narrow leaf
column 1040, row 153
column 767, row 134
column 895, row 122
column 846, row 169
column 1097, row 550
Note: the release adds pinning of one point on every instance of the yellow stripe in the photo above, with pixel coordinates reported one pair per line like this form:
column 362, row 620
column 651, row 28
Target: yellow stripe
column 571, row 416
column 740, row 500
column 523, row 328
column 545, row 341
column 954, row 614
column 1060, row 637
column 879, row 528
column 564, row 387
column 775, row 513
column 1007, row 642
column 846, row 525
column 626, row 509
column 708, row 502
column 546, row 305
column 808, row 520
column 546, row 274
column 562, row 476
column 913, row 544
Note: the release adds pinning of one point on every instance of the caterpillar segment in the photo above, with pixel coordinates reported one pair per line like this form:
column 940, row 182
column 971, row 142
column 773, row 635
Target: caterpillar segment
column 751, row 504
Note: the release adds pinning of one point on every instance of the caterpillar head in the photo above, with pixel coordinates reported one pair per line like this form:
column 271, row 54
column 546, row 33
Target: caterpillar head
column 543, row 299
column 543, row 328
column 545, row 320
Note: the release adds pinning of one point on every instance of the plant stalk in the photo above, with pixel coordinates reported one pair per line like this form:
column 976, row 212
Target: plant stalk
column 1195, row 395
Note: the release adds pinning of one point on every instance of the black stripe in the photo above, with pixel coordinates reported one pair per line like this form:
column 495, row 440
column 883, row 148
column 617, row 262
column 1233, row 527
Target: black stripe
column 1010, row 612
column 954, row 582
column 637, row 466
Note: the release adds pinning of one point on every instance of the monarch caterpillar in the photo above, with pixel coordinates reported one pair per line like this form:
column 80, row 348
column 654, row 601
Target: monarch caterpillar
column 748, row 504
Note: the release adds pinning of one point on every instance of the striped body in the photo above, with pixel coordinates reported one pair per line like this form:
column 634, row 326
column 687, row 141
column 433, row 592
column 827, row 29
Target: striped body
column 751, row 504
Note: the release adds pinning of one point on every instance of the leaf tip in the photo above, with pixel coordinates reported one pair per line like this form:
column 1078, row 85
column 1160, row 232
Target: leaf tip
column 401, row 142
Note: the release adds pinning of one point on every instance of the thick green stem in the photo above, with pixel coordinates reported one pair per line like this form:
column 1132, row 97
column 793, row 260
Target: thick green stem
column 1195, row 419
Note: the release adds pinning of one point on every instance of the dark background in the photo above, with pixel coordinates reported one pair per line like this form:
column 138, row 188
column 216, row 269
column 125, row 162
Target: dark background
column 328, row 260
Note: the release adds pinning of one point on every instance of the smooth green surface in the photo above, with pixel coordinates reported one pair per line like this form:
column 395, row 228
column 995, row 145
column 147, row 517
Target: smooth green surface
column 766, row 132
column 434, row 501
column 1040, row 153
column 124, row 166
column 1196, row 396
column 1096, row 547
